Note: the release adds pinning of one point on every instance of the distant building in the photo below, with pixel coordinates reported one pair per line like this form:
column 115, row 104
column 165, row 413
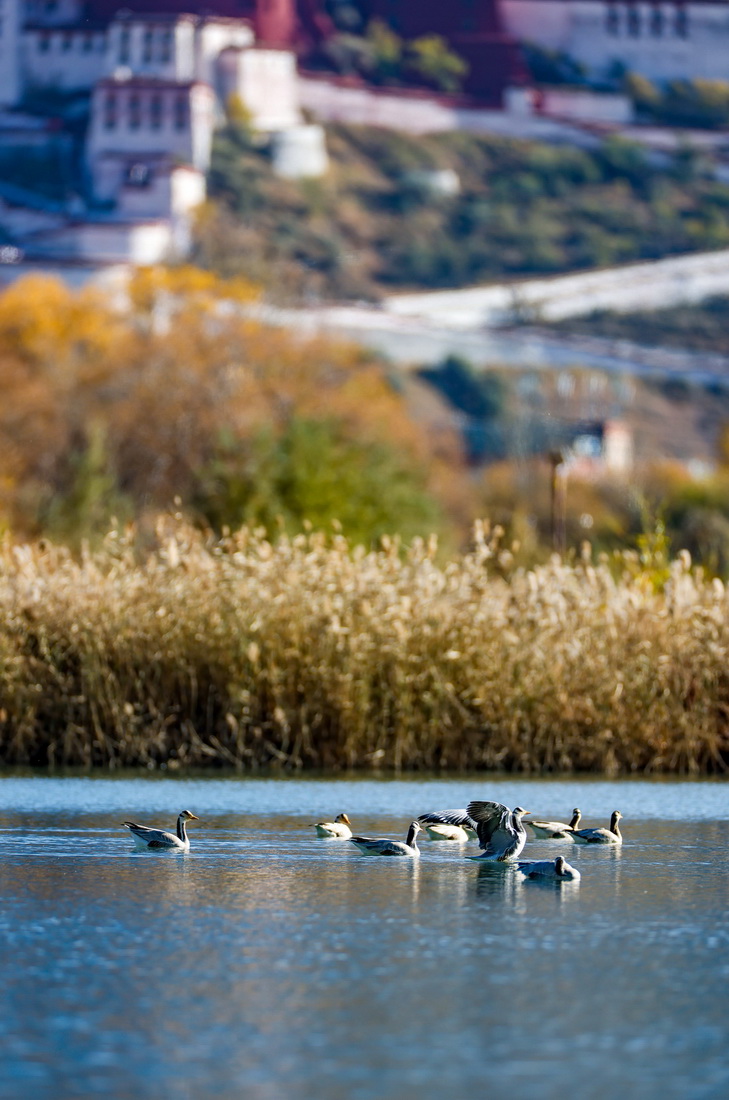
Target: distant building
column 661, row 39
column 157, row 80
column 10, row 38
column 599, row 449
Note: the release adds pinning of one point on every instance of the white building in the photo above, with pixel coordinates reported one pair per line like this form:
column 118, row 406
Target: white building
column 157, row 87
column 660, row 39
column 137, row 116
column 10, row 27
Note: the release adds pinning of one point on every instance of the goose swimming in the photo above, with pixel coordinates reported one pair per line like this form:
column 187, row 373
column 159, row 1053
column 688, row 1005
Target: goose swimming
column 501, row 833
column 339, row 829
column 457, row 819
column 558, row 870
column 158, row 838
column 556, row 830
column 612, row 835
column 370, row 846
column 447, row 832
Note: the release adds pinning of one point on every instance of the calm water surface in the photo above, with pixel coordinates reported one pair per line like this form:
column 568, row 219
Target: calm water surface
column 270, row 965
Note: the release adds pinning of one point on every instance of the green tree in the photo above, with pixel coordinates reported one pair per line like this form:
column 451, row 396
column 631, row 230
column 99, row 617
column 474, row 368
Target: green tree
column 85, row 510
column 481, row 395
column 429, row 59
column 313, row 473
column 386, row 49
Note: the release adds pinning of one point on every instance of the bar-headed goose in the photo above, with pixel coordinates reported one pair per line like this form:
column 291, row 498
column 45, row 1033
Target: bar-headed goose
column 547, row 870
column 556, row 830
column 456, row 819
column 601, row 836
column 370, row 846
column 339, row 829
column 500, row 831
column 158, row 838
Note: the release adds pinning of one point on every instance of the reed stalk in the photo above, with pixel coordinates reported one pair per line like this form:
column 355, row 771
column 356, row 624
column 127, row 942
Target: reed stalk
column 308, row 653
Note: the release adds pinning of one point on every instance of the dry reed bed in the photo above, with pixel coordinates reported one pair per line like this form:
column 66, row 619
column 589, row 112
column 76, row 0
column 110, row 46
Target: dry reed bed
column 308, row 653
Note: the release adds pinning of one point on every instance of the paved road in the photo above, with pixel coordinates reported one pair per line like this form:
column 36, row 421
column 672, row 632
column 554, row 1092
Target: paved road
column 413, row 342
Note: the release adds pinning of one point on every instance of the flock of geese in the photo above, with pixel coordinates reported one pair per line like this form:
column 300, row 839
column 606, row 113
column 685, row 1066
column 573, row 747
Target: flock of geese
column 500, row 832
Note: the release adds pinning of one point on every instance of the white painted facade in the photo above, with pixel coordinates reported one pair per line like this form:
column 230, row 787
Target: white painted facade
column 163, row 48
column 63, row 60
column 300, row 152
column 584, row 105
column 214, row 37
column 662, row 39
column 139, row 117
column 10, row 37
column 266, row 81
column 158, row 85
column 53, row 13
column 113, row 241
column 149, row 188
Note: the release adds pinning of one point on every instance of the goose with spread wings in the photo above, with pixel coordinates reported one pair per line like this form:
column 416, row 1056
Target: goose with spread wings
column 439, row 823
column 501, row 833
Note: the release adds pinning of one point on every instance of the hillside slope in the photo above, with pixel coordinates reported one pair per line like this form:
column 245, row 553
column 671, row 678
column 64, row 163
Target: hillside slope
column 378, row 222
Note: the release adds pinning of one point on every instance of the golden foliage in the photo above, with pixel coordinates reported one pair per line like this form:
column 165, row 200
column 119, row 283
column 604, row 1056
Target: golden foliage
column 161, row 379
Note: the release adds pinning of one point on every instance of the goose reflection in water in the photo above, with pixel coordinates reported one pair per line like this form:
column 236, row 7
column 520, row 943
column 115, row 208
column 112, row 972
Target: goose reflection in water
column 498, row 880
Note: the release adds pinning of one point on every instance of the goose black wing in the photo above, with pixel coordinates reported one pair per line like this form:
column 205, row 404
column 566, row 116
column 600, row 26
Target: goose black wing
column 449, row 817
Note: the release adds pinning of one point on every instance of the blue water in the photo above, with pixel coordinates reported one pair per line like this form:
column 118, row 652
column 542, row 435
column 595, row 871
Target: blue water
column 270, row 965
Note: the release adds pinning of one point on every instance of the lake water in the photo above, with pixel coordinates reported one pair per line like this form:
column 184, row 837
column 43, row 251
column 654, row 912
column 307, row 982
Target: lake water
column 269, row 965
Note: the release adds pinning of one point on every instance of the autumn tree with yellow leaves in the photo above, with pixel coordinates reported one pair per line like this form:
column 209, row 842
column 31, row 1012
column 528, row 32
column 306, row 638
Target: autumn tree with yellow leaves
column 172, row 393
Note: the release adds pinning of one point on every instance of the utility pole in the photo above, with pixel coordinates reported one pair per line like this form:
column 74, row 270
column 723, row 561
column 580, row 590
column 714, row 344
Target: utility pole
column 558, row 501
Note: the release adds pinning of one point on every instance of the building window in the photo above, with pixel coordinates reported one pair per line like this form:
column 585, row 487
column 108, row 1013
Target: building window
column 633, row 22
column 180, row 113
column 165, row 49
column 135, row 112
column 44, row 43
column 612, row 20
column 66, row 42
column 155, row 111
column 88, row 43
column 657, row 23
column 124, row 46
column 139, row 175
column 681, row 24
column 110, row 111
column 147, row 46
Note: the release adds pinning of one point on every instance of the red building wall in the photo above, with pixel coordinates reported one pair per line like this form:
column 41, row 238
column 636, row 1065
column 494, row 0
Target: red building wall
column 473, row 29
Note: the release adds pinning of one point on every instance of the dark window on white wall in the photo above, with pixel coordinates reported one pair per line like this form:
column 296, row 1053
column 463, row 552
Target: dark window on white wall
column 181, row 113
column 110, row 111
column 155, row 111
